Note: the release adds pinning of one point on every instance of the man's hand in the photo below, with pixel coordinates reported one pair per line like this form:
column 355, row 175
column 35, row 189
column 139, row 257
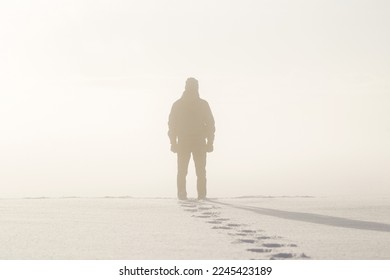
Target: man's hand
column 209, row 148
column 174, row 148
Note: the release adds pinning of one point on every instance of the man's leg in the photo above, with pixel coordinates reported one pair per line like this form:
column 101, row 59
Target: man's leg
column 183, row 158
column 200, row 166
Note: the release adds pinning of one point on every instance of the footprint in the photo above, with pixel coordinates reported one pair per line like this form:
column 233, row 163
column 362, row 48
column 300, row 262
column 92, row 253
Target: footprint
column 191, row 210
column 247, row 231
column 263, row 237
column 201, row 216
column 234, row 225
column 282, row 256
column 211, row 213
column 251, row 241
column 272, row 245
column 239, row 234
column 221, row 227
column 259, row 250
column 215, row 222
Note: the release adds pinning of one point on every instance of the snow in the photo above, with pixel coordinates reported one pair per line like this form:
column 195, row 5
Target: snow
column 221, row 228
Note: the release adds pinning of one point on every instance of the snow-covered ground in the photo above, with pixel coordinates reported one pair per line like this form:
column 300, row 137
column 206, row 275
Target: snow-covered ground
column 224, row 228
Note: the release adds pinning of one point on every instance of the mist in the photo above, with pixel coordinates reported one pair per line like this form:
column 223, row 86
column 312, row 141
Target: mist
column 299, row 92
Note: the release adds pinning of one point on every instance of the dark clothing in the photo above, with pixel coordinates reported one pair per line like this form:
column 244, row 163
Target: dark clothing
column 183, row 159
column 191, row 118
column 191, row 130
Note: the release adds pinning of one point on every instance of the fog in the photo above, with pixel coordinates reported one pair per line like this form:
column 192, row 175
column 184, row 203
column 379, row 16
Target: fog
column 299, row 91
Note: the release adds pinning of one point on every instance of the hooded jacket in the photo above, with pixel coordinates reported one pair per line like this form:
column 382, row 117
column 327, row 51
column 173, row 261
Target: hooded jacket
column 191, row 118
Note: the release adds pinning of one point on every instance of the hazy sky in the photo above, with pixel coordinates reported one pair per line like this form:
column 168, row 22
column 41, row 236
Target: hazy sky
column 300, row 91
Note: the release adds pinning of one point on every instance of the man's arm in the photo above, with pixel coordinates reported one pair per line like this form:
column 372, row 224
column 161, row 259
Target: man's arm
column 172, row 129
column 210, row 128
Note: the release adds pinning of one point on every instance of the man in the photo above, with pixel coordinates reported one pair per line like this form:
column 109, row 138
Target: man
column 191, row 131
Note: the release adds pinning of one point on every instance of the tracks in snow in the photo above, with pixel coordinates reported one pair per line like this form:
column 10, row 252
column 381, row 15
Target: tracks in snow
column 255, row 241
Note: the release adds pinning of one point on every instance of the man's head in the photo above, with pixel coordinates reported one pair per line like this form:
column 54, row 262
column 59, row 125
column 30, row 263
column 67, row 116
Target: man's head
column 192, row 85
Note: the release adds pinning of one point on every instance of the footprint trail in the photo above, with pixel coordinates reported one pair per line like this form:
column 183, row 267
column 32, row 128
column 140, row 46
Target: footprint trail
column 255, row 241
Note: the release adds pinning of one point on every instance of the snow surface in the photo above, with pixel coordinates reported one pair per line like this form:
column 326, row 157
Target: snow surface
column 224, row 228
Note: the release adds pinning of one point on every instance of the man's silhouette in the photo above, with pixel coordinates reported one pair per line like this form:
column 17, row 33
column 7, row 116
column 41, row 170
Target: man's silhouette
column 191, row 131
